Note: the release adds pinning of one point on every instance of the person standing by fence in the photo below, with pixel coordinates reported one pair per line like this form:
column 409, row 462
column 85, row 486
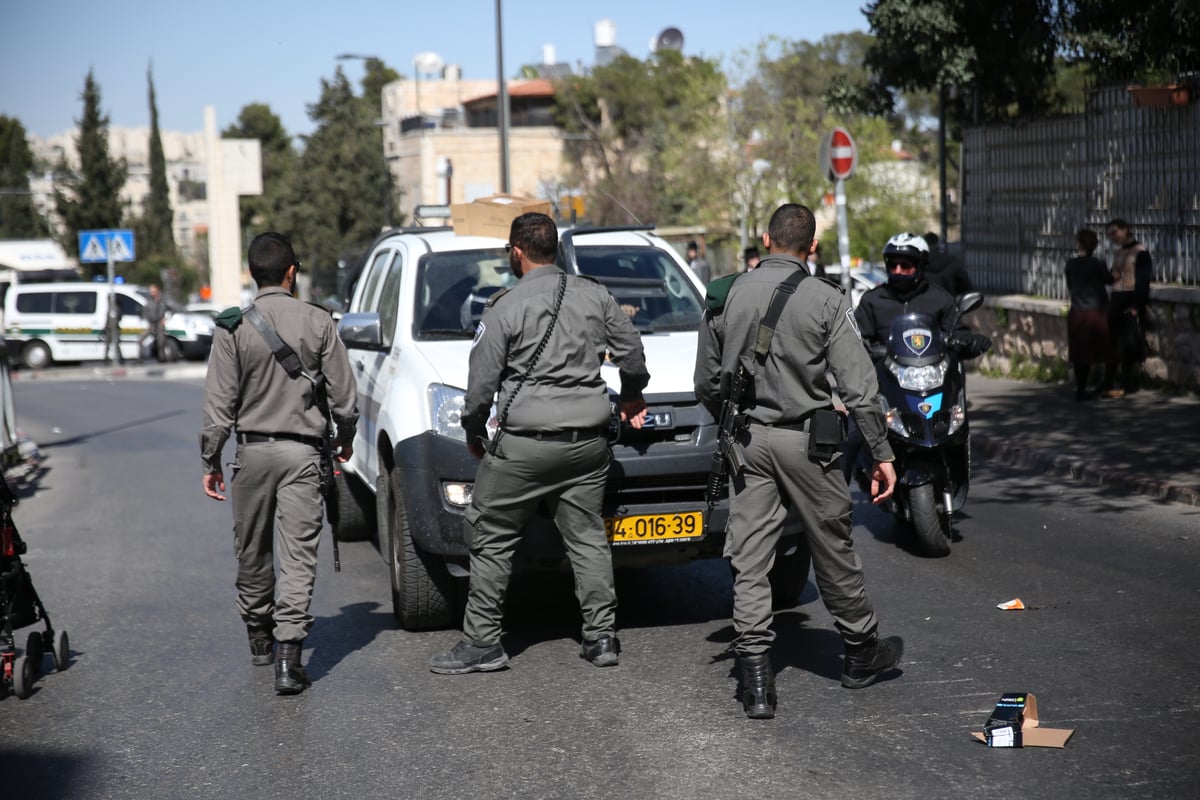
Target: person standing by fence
column 1087, row 320
column 1132, row 271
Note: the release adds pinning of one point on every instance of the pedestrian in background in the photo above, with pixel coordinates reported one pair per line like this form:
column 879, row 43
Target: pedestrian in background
column 698, row 263
column 945, row 270
column 537, row 356
column 280, row 421
column 1087, row 320
column 750, row 258
column 815, row 333
column 154, row 311
column 1132, row 272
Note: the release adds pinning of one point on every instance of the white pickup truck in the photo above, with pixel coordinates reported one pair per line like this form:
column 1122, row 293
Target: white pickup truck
column 408, row 331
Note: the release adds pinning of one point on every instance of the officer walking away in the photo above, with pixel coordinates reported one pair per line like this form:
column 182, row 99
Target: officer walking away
column 280, row 424
column 540, row 345
column 155, row 314
column 788, row 392
column 945, row 270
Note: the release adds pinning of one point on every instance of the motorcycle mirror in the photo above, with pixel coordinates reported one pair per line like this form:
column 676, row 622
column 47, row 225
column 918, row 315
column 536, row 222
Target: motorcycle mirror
column 969, row 302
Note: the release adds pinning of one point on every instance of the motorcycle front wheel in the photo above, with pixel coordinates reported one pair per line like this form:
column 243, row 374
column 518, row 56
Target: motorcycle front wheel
column 932, row 528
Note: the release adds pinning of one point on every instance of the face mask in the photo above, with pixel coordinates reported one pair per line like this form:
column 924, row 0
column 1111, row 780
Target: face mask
column 901, row 283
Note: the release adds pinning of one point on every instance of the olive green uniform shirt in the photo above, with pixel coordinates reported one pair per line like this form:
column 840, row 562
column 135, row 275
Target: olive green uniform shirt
column 564, row 391
column 816, row 334
column 247, row 388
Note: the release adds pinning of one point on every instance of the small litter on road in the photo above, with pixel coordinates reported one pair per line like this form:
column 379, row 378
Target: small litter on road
column 1014, row 723
column 1012, row 605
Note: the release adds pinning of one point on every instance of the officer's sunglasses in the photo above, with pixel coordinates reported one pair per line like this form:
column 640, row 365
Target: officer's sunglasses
column 893, row 265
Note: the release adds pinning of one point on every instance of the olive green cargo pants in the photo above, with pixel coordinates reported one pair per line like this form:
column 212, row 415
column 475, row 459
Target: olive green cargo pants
column 276, row 501
column 778, row 476
column 569, row 478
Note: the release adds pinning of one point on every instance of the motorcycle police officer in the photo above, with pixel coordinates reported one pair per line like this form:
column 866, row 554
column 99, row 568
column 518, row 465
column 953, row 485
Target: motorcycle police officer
column 540, row 345
column 815, row 332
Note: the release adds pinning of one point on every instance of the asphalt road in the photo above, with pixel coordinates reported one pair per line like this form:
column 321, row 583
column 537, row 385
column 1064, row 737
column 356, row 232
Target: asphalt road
column 160, row 700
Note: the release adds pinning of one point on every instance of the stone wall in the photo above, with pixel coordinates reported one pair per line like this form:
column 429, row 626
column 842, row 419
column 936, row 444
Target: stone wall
column 1029, row 336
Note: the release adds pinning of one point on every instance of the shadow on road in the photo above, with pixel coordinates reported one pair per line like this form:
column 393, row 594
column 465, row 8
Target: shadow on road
column 32, row 774
column 334, row 638
column 137, row 423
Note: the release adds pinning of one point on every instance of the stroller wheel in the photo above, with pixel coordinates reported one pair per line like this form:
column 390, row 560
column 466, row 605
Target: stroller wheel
column 22, row 677
column 35, row 651
column 62, row 651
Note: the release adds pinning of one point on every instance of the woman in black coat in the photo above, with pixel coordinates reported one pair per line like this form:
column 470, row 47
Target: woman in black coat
column 1087, row 321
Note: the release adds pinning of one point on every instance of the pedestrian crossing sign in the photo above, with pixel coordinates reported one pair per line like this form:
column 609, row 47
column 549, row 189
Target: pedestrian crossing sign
column 99, row 246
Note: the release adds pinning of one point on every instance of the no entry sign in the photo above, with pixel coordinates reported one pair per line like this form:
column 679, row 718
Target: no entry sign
column 839, row 156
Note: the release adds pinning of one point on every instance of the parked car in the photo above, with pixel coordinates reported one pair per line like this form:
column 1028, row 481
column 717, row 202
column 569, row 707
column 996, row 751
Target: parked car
column 46, row 323
column 409, row 330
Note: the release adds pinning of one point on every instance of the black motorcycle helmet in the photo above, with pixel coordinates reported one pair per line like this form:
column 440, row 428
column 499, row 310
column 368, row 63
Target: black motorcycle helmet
column 906, row 248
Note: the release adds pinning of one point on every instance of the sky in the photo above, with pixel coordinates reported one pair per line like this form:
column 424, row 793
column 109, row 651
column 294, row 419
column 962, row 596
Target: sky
column 230, row 53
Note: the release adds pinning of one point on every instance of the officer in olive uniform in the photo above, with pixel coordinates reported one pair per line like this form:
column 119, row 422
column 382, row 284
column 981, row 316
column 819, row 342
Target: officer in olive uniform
column 815, row 333
column 541, row 345
column 275, row 472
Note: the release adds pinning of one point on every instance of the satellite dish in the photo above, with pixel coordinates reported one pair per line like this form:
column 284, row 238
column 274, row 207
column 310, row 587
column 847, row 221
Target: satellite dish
column 428, row 62
column 669, row 39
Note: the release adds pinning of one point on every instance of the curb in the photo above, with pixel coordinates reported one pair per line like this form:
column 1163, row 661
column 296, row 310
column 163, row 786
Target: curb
column 1012, row 454
column 106, row 373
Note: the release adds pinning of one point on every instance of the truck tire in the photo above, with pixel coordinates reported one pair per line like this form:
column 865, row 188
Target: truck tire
column 789, row 575
column 423, row 591
column 353, row 509
column 36, row 355
column 932, row 528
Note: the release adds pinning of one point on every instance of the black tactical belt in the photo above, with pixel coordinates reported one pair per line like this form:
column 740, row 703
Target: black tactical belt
column 574, row 435
column 802, row 425
column 261, row 438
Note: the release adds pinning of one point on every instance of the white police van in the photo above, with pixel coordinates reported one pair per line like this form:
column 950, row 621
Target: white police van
column 409, row 329
column 51, row 322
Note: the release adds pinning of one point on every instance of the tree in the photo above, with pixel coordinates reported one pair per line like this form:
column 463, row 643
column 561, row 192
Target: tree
column 1156, row 41
column 92, row 199
column 18, row 217
column 156, row 229
column 994, row 58
column 648, row 139
column 261, row 213
column 378, row 75
column 340, row 190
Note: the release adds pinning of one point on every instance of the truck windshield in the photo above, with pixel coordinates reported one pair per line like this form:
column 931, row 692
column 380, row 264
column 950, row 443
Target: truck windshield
column 453, row 288
column 651, row 288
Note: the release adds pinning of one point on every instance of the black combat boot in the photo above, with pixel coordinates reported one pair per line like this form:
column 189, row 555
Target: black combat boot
column 262, row 646
column 865, row 663
column 602, row 652
column 290, row 676
column 758, row 686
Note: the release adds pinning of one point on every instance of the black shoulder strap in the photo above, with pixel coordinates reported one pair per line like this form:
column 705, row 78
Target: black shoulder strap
column 766, row 328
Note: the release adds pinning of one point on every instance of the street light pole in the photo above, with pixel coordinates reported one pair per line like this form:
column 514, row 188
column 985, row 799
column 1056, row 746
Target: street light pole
column 502, row 99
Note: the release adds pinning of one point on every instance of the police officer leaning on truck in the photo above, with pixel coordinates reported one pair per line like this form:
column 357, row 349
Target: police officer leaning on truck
column 815, row 332
column 540, row 345
column 280, row 422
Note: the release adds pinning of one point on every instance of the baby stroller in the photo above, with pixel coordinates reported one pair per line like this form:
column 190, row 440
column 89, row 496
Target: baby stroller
column 19, row 608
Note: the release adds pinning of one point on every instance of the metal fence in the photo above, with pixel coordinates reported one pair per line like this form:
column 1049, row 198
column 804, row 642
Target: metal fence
column 1028, row 187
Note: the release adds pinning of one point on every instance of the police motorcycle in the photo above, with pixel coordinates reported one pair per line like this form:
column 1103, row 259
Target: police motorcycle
column 922, row 384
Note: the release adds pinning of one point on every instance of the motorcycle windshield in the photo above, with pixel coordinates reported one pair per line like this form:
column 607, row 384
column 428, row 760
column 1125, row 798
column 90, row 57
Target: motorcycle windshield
column 915, row 340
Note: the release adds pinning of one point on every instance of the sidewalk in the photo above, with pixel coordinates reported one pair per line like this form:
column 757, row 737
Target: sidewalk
column 179, row 370
column 1145, row 443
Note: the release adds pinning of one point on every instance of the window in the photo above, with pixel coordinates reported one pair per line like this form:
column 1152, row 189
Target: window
column 648, row 284
column 389, row 302
column 75, row 302
column 453, row 288
column 35, row 302
column 374, row 275
column 129, row 307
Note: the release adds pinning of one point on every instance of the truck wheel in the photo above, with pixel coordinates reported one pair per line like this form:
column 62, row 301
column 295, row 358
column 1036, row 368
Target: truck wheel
column 172, row 350
column 789, row 575
column 931, row 528
column 353, row 508
column 423, row 592
column 36, row 355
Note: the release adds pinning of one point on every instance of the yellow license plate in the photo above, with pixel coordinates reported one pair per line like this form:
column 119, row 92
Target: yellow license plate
column 654, row 527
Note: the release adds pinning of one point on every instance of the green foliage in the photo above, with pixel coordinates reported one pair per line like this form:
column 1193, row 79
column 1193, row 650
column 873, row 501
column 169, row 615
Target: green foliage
column 1153, row 42
column 156, row 228
column 339, row 194
column 18, row 217
column 92, row 199
column 377, row 76
column 647, row 139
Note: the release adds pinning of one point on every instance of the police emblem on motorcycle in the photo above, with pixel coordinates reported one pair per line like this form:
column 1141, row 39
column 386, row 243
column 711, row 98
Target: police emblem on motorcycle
column 917, row 340
column 925, row 408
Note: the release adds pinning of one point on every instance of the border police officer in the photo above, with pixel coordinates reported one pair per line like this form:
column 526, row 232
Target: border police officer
column 275, row 474
column 814, row 333
column 541, row 345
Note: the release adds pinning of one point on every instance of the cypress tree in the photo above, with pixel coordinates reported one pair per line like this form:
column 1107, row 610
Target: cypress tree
column 158, row 241
column 18, row 218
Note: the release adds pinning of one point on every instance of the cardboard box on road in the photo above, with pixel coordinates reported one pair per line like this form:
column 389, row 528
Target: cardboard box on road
column 1014, row 723
column 493, row 215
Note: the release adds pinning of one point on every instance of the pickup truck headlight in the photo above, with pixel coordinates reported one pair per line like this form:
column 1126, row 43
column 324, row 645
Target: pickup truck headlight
column 446, row 410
